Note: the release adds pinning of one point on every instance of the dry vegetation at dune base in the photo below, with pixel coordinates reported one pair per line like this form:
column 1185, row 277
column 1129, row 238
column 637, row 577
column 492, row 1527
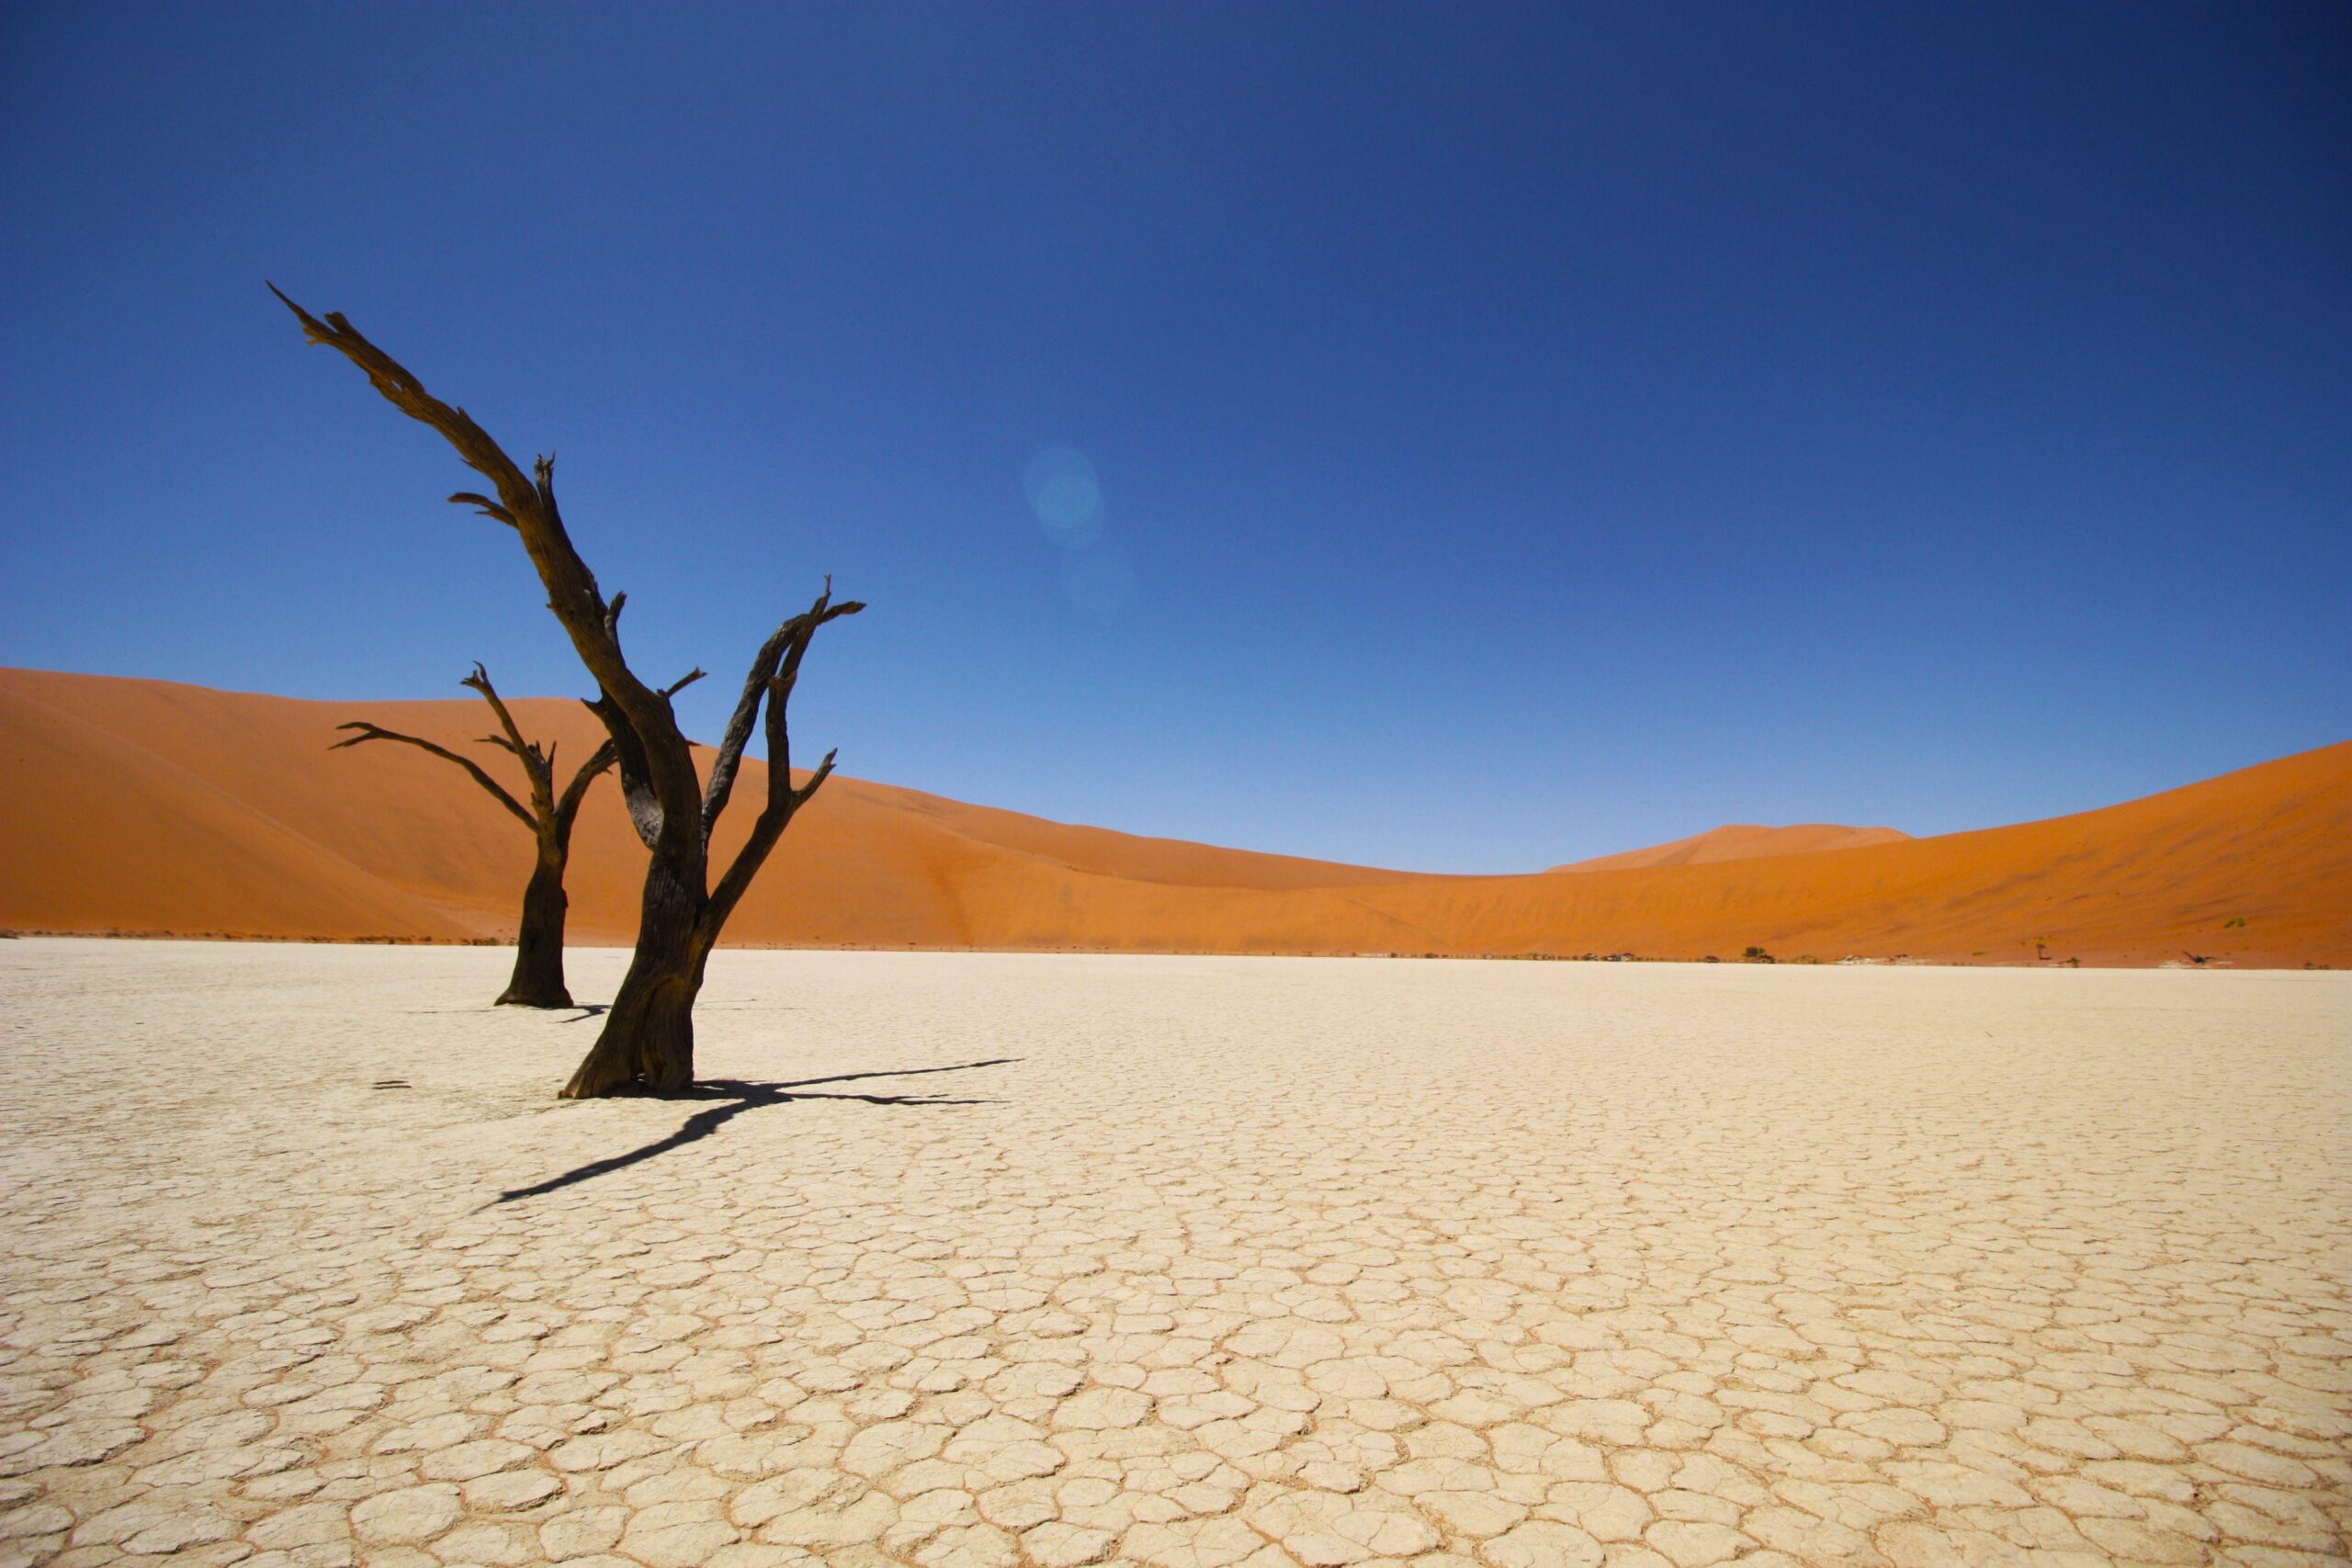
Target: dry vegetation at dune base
column 1032, row 1259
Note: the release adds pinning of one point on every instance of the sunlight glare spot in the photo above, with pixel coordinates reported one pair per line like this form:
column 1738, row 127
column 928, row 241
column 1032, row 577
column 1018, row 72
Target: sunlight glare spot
column 1066, row 494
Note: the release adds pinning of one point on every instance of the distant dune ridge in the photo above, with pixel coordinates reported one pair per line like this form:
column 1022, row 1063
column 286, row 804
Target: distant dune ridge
column 1742, row 840
column 144, row 806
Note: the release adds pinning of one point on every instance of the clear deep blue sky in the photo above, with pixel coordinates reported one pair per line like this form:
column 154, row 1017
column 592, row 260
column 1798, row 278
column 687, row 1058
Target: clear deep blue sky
column 1520, row 433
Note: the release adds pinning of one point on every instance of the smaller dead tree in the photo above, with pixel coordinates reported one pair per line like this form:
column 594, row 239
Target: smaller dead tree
column 537, row 980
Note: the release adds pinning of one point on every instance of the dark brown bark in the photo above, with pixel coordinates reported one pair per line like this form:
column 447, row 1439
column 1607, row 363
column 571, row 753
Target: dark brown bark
column 647, row 1042
column 537, row 981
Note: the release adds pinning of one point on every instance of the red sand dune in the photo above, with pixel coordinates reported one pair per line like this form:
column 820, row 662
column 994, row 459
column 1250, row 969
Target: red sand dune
column 144, row 807
column 1741, row 840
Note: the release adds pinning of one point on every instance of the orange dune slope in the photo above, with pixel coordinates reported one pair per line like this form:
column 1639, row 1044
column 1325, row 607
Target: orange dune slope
column 1742, row 840
column 149, row 807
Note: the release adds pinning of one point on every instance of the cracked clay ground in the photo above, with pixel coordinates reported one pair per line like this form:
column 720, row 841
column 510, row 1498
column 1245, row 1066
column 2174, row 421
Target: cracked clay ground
column 984, row 1260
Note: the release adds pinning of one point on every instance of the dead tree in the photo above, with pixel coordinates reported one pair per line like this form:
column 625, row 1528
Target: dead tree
column 537, row 981
column 647, row 1041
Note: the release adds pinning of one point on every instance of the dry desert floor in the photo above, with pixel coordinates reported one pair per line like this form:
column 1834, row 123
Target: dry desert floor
column 993, row 1259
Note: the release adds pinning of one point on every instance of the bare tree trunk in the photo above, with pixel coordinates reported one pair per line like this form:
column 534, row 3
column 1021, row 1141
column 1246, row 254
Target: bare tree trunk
column 647, row 1041
column 537, row 980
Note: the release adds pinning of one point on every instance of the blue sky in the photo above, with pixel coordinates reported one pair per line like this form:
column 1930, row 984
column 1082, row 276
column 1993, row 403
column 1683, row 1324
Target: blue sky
column 1471, row 437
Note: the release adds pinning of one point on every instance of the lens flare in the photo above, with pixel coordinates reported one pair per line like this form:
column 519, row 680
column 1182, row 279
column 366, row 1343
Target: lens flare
column 1066, row 494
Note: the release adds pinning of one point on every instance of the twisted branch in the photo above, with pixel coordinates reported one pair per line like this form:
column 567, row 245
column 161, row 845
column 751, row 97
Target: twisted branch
column 638, row 794
column 377, row 732
column 528, row 505
column 539, row 765
column 774, row 674
column 567, row 810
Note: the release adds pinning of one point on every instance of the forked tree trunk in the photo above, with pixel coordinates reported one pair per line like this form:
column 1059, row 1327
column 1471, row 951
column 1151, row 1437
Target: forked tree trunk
column 537, row 981
column 648, row 1040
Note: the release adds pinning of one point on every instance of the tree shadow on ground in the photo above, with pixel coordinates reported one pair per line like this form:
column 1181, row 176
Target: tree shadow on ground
column 736, row 1096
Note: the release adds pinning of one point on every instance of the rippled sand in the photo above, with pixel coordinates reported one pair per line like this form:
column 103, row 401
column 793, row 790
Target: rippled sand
column 1000, row 1260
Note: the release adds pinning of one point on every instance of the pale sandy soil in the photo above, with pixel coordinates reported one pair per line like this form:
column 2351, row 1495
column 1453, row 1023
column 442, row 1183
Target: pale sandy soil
column 1175, row 1262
